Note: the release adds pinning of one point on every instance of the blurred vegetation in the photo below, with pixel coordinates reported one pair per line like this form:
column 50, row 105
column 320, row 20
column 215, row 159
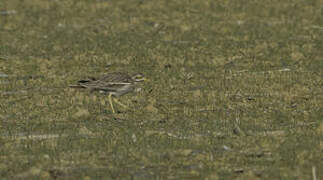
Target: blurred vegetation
column 235, row 89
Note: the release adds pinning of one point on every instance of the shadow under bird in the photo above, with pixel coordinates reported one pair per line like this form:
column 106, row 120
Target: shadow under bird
column 115, row 84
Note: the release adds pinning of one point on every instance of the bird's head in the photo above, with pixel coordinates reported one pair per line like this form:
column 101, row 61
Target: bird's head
column 138, row 77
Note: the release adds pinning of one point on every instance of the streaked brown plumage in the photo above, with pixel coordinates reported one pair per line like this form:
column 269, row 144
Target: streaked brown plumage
column 114, row 84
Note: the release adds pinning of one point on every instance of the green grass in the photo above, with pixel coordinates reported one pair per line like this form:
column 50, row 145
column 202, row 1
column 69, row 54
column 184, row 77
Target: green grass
column 234, row 90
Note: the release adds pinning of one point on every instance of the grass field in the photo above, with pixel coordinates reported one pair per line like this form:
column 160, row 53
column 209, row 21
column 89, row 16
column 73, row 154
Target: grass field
column 234, row 90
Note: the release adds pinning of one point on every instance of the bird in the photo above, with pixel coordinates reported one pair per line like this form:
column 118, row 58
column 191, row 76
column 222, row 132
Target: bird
column 115, row 84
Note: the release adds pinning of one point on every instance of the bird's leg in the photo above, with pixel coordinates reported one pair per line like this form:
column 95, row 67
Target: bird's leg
column 118, row 102
column 111, row 103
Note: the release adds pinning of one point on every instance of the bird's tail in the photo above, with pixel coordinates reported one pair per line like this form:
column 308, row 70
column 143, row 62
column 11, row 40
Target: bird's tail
column 81, row 83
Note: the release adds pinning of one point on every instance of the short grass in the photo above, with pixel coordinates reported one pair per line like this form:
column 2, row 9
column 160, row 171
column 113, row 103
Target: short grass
column 234, row 90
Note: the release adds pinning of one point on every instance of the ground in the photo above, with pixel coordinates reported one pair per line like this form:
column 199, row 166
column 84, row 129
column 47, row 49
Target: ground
column 234, row 90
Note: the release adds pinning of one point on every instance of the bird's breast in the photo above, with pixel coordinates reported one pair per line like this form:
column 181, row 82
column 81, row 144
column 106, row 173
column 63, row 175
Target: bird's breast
column 123, row 90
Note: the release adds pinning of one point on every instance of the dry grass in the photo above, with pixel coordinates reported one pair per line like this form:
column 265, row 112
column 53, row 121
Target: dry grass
column 235, row 90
